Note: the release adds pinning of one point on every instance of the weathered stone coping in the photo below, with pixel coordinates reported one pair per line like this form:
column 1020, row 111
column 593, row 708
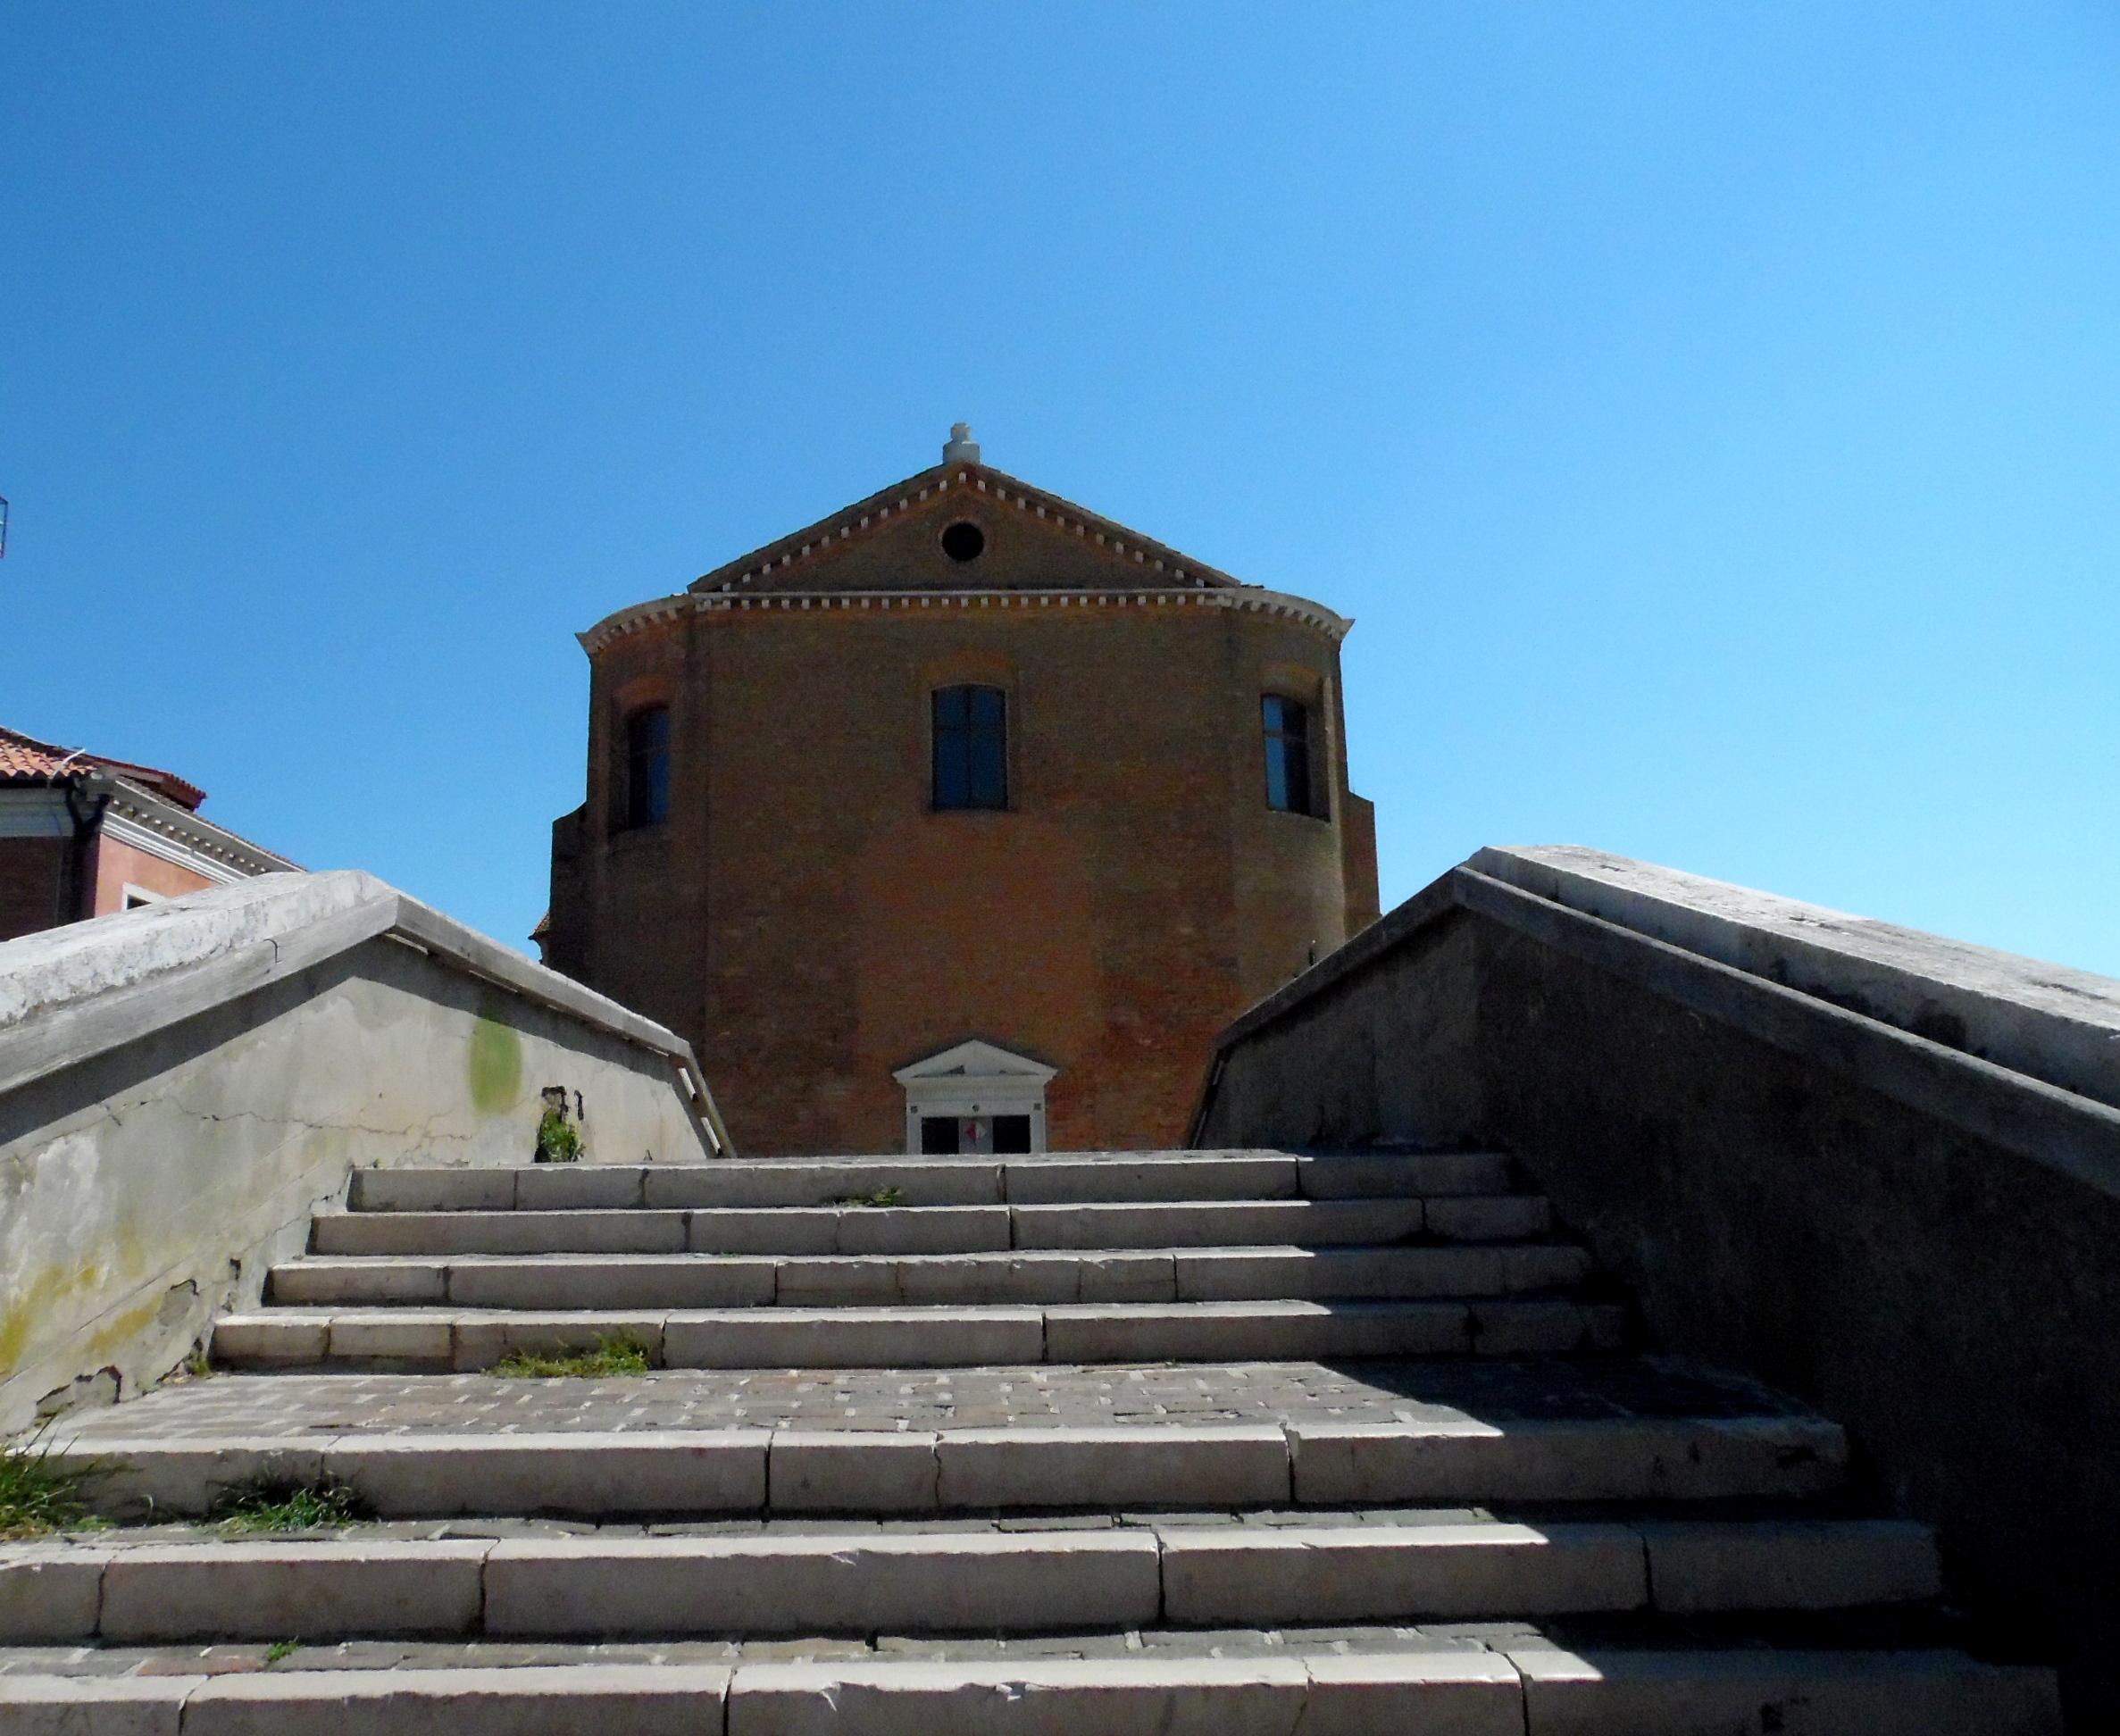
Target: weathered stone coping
column 2032, row 1056
column 2045, row 1020
column 72, row 993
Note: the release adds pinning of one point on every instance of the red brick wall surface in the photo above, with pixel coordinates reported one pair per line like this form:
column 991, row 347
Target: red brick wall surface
column 32, row 879
column 810, row 924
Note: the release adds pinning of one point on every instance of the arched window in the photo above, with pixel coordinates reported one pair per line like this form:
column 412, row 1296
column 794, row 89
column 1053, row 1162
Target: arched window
column 971, row 747
column 1287, row 753
column 647, row 767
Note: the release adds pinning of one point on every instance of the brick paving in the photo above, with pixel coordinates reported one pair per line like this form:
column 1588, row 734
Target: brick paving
column 896, row 1400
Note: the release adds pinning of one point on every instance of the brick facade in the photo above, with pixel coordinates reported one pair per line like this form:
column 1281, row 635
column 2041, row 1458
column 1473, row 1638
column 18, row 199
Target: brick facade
column 812, row 923
column 35, row 885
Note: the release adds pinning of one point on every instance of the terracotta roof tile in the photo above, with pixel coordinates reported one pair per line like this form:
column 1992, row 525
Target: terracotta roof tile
column 24, row 759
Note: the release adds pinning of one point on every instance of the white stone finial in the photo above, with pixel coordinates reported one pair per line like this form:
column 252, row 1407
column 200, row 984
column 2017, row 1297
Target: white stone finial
column 961, row 448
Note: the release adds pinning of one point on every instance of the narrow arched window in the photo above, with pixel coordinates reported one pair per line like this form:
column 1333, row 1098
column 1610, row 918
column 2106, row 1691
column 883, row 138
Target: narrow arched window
column 971, row 747
column 1287, row 753
column 647, row 767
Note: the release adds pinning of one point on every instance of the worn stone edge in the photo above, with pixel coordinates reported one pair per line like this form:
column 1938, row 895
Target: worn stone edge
column 2043, row 1019
column 2053, row 1126
column 53, row 1037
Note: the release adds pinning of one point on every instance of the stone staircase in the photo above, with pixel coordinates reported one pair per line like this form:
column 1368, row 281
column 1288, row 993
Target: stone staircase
column 1195, row 1258
column 1238, row 1442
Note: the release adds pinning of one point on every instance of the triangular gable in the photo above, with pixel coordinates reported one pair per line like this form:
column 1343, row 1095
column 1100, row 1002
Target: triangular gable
column 974, row 1059
column 1050, row 542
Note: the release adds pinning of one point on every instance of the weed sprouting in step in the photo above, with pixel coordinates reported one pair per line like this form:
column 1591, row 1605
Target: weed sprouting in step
column 37, row 1497
column 280, row 1648
column 266, row 1505
column 882, row 1196
column 619, row 1354
column 198, row 1365
column 559, row 1141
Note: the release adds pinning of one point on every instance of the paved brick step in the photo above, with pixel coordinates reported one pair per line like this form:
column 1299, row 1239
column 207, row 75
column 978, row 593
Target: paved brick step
column 696, row 1280
column 1477, row 1395
column 937, row 1229
column 1532, row 1691
column 1061, row 1178
column 926, row 1337
column 1113, row 1468
column 949, row 1580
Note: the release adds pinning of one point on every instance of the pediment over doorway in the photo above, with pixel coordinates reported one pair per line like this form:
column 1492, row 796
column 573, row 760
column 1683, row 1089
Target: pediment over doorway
column 974, row 1098
column 974, row 1059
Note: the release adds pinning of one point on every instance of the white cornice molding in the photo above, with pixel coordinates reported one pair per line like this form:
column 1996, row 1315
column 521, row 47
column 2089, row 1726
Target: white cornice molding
column 176, row 835
column 620, row 623
column 148, row 841
column 1249, row 600
column 1170, row 565
column 145, row 821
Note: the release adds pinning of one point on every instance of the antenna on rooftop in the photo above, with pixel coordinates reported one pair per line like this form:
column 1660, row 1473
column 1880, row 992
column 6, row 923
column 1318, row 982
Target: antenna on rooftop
column 3, row 527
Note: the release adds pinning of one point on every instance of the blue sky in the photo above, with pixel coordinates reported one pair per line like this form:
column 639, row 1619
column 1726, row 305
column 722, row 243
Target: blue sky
column 1711, row 414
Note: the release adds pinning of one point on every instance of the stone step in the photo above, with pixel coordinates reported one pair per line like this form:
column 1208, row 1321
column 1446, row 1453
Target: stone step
column 937, row 1229
column 1602, row 1693
column 792, row 1337
column 695, row 1280
column 1535, row 1691
column 1059, row 1178
column 1876, row 1629
column 670, row 1474
column 1312, row 1223
column 800, row 1580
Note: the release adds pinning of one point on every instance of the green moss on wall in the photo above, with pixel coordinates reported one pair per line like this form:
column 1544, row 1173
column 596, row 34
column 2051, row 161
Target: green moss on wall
column 496, row 1066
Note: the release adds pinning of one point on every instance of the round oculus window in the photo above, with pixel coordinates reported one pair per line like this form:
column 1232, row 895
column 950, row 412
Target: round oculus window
column 964, row 541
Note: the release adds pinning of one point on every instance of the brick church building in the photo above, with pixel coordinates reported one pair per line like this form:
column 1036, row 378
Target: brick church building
column 960, row 820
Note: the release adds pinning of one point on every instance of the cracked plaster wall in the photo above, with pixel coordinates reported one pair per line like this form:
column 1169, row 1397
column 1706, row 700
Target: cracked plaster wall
column 146, row 1190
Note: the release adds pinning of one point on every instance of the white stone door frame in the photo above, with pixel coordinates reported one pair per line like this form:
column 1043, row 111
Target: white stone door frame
column 974, row 1078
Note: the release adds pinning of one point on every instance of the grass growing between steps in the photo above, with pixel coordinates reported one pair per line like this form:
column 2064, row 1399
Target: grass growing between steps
column 37, row 1497
column 266, row 1507
column 610, row 1355
column 882, row 1196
